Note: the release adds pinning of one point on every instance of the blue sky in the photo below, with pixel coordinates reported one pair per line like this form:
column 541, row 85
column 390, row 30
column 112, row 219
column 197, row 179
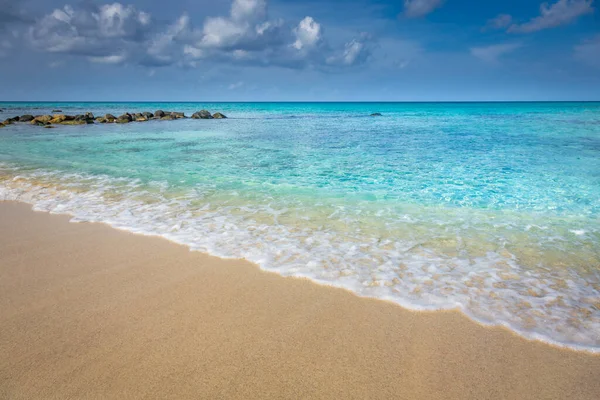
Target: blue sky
column 311, row 50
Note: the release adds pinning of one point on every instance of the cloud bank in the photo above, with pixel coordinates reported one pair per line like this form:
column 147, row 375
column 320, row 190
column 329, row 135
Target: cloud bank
column 117, row 33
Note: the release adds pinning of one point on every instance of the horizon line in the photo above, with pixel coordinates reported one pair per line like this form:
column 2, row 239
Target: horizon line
column 303, row 101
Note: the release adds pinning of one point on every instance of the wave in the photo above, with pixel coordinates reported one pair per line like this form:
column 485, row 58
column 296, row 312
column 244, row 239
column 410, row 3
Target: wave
column 421, row 259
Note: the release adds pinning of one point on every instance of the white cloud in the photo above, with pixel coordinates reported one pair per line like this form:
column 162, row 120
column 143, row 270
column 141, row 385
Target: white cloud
column 588, row 52
column 491, row 54
column 113, row 59
column 419, row 8
column 308, row 34
column 560, row 13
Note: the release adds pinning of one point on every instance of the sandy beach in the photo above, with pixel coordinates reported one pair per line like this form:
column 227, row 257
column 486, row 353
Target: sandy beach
column 89, row 312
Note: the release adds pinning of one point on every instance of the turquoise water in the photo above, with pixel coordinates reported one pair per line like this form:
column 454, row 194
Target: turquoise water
column 492, row 208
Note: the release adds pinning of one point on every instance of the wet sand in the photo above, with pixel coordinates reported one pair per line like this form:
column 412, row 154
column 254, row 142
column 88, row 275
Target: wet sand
column 90, row 312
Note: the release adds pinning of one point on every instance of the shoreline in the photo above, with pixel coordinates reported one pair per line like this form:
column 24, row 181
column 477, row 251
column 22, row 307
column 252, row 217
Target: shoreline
column 463, row 311
column 93, row 311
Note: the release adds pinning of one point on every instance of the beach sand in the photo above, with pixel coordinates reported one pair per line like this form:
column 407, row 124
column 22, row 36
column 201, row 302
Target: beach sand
column 89, row 312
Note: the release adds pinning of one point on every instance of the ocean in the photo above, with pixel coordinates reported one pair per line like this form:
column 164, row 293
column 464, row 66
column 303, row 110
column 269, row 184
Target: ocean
column 489, row 208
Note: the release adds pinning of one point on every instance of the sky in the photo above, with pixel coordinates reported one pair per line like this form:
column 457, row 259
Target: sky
column 299, row 50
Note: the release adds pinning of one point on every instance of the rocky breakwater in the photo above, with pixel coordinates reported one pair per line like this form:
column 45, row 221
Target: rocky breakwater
column 49, row 121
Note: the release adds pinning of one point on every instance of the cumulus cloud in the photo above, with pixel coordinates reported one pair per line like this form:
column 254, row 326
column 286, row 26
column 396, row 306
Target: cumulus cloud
column 117, row 33
column 588, row 52
column 419, row 8
column 248, row 36
column 108, row 32
column 491, row 54
column 308, row 34
column 560, row 13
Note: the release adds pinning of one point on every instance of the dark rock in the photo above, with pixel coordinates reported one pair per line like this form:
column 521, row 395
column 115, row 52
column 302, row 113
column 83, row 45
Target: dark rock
column 49, row 127
column 203, row 114
column 126, row 116
column 148, row 115
column 110, row 118
column 89, row 115
column 177, row 115
column 26, row 118
column 141, row 119
column 376, row 115
column 167, row 118
column 159, row 114
column 123, row 120
column 219, row 116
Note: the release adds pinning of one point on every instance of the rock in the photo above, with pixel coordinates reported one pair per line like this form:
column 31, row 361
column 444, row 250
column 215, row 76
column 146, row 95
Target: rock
column 376, row 115
column 26, row 118
column 42, row 118
column 2, row 125
column 73, row 122
column 141, row 118
column 177, row 115
column 85, row 118
column 203, row 114
column 110, row 116
column 219, row 116
column 148, row 115
column 57, row 119
column 89, row 115
column 123, row 119
column 159, row 114
column 8, row 121
column 49, row 127
column 167, row 118
column 126, row 116
column 101, row 120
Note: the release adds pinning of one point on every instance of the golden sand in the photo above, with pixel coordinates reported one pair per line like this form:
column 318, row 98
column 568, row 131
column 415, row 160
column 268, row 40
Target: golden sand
column 89, row 312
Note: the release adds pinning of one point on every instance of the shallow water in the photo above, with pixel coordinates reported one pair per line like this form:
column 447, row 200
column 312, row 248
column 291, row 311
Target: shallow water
column 491, row 208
